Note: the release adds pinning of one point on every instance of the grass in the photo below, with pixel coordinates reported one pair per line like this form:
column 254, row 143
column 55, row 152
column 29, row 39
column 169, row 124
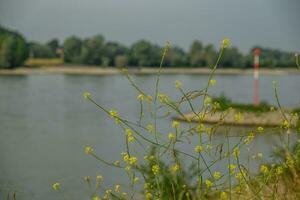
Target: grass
column 37, row 62
column 225, row 103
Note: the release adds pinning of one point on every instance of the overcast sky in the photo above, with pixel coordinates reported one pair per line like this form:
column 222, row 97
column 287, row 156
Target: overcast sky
column 270, row 23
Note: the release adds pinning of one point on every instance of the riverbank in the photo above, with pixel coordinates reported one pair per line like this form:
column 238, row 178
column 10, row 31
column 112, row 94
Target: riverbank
column 94, row 70
column 264, row 119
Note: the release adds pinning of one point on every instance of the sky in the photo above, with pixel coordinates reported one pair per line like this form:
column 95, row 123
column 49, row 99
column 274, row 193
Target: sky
column 268, row 23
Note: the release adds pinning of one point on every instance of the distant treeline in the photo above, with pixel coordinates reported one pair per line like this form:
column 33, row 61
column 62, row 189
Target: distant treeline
column 97, row 51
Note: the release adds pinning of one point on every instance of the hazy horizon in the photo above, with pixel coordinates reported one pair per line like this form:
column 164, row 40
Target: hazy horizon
column 269, row 23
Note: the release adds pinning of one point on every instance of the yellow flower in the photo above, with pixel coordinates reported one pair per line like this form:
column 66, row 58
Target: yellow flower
column 207, row 100
column 126, row 157
column 133, row 160
column 124, row 194
column 127, row 168
column 290, row 161
column 128, row 132
column 117, row 163
column 99, row 178
column 175, row 168
column 264, row 169
column 178, row 84
column 56, row 186
column 238, row 117
column 198, row 149
column 151, row 157
column 147, row 185
column 260, row 155
column 279, row 170
column 212, row 82
column 236, row 152
column 285, row 124
column 209, row 131
column 148, row 195
column 86, row 95
column 216, row 105
column 217, row 175
column 88, row 150
column 136, row 179
column 208, row 183
column 239, row 176
column 149, row 98
column 113, row 113
column 87, row 179
column 150, row 128
column 140, row 97
column 146, row 157
column 163, row 98
column 171, row 136
column 108, row 191
column 231, row 168
column 223, row 196
column 200, row 128
column 225, row 43
column 155, row 169
column 202, row 116
column 260, row 129
column 209, row 147
column 131, row 139
column 175, row 124
column 249, row 138
column 96, row 198
column 117, row 188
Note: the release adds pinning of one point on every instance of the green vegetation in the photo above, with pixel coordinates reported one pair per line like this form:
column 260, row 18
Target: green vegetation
column 225, row 103
column 38, row 50
column 13, row 49
column 97, row 51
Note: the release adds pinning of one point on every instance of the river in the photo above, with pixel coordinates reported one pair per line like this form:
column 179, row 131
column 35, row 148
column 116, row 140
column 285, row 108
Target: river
column 45, row 123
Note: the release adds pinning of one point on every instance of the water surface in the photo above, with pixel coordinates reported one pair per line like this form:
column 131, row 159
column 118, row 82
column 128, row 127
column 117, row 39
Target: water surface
column 45, row 124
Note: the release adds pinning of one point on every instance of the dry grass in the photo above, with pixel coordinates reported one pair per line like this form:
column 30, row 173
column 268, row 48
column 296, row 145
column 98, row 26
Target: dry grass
column 37, row 62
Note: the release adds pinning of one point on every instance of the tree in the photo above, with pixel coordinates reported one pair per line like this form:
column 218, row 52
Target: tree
column 72, row 50
column 38, row 50
column 93, row 50
column 196, row 54
column 143, row 53
column 53, row 45
column 114, row 51
column 121, row 61
column 13, row 49
column 210, row 55
column 232, row 58
column 176, row 57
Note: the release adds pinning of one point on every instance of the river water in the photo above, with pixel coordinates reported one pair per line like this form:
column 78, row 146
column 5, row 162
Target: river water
column 45, row 124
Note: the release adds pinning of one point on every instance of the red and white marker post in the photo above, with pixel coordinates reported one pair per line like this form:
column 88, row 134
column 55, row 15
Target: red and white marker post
column 256, row 77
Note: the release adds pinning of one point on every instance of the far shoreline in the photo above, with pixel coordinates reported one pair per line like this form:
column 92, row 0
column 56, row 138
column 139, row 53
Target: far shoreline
column 95, row 70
